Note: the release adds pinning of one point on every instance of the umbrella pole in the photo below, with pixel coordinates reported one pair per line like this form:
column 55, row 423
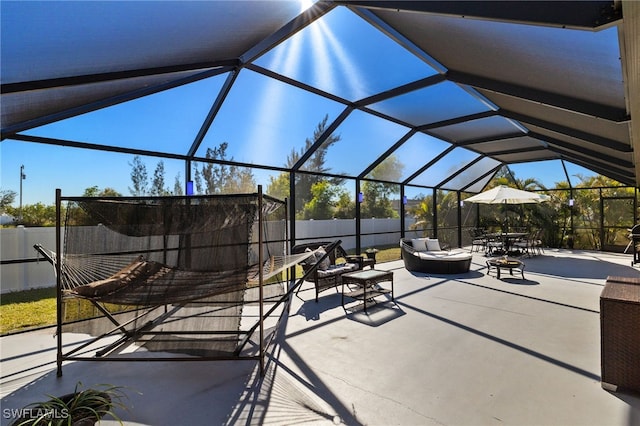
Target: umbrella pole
column 505, row 227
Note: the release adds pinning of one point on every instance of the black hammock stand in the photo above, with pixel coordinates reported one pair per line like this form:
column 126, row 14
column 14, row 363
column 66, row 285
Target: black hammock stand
column 170, row 274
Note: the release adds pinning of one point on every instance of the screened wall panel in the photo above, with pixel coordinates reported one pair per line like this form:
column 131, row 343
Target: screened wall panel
column 276, row 119
column 477, row 129
column 363, row 138
column 83, row 175
column 167, row 121
column 508, row 144
column 445, row 167
column 418, row 212
column 214, row 178
column 339, row 54
column 380, row 214
column 448, row 217
column 554, row 172
column 473, row 173
column 416, row 152
column 431, row 104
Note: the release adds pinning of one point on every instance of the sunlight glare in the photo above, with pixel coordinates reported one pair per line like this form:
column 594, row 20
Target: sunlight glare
column 320, row 57
column 305, row 4
column 347, row 66
column 265, row 136
column 331, row 63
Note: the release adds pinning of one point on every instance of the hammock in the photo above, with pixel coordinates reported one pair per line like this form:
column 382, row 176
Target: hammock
column 170, row 274
column 149, row 251
column 146, row 251
column 277, row 264
column 148, row 283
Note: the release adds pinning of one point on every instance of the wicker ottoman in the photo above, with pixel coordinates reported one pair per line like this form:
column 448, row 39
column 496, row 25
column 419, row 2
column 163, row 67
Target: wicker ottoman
column 620, row 334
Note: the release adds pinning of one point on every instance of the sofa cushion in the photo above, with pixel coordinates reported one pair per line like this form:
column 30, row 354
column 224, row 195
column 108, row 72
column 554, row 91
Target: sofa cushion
column 337, row 270
column 419, row 244
column 444, row 255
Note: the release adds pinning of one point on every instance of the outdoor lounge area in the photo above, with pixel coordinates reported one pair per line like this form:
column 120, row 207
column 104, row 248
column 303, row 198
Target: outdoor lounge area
column 464, row 349
column 371, row 130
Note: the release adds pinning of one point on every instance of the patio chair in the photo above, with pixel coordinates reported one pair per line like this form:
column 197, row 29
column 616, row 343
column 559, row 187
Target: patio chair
column 323, row 269
column 494, row 245
column 532, row 244
column 478, row 240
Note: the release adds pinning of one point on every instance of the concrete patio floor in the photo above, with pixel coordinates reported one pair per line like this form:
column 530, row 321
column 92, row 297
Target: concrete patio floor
column 463, row 349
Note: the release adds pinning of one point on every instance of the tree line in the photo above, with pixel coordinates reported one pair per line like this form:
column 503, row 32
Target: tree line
column 318, row 195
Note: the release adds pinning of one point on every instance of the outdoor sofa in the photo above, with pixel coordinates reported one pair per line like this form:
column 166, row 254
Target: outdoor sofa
column 426, row 255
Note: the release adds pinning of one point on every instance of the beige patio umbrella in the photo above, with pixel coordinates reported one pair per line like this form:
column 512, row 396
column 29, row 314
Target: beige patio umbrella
column 506, row 195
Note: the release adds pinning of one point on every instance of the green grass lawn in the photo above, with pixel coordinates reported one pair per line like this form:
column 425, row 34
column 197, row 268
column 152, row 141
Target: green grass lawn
column 26, row 309
column 388, row 254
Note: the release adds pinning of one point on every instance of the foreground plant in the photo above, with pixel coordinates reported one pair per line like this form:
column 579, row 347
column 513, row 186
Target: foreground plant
column 80, row 408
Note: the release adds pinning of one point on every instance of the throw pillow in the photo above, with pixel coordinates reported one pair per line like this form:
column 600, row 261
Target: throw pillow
column 419, row 244
column 324, row 265
column 311, row 260
column 433, row 244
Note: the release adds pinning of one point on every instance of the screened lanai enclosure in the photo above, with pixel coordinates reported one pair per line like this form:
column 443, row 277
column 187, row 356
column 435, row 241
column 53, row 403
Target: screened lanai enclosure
column 375, row 118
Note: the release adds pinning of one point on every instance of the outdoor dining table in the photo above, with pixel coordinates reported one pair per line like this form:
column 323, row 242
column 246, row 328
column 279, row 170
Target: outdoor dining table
column 507, row 238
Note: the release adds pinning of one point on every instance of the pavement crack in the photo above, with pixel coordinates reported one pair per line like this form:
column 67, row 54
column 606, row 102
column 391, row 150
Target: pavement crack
column 385, row 397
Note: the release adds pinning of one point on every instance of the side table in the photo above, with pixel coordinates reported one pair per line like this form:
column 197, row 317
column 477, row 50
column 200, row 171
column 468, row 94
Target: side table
column 367, row 285
column 361, row 260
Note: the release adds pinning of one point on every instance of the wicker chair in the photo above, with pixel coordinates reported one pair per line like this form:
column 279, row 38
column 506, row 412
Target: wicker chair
column 324, row 279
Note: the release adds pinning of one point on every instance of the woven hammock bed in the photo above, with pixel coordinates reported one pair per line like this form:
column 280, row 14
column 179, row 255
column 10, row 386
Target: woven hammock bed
column 148, row 283
column 170, row 274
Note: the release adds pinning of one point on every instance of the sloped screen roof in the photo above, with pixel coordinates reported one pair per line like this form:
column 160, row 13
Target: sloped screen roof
column 450, row 91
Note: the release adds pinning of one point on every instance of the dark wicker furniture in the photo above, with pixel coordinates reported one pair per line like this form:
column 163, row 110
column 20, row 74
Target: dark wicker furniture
column 330, row 277
column 620, row 340
column 436, row 263
column 366, row 285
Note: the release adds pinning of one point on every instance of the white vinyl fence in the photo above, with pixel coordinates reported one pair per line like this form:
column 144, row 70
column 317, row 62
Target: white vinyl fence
column 16, row 244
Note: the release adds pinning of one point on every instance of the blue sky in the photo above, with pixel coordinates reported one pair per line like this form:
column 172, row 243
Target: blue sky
column 262, row 120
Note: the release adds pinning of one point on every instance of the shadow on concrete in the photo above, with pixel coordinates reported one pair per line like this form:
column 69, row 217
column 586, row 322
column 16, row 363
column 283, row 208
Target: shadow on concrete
column 561, row 266
column 378, row 313
column 312, row 310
